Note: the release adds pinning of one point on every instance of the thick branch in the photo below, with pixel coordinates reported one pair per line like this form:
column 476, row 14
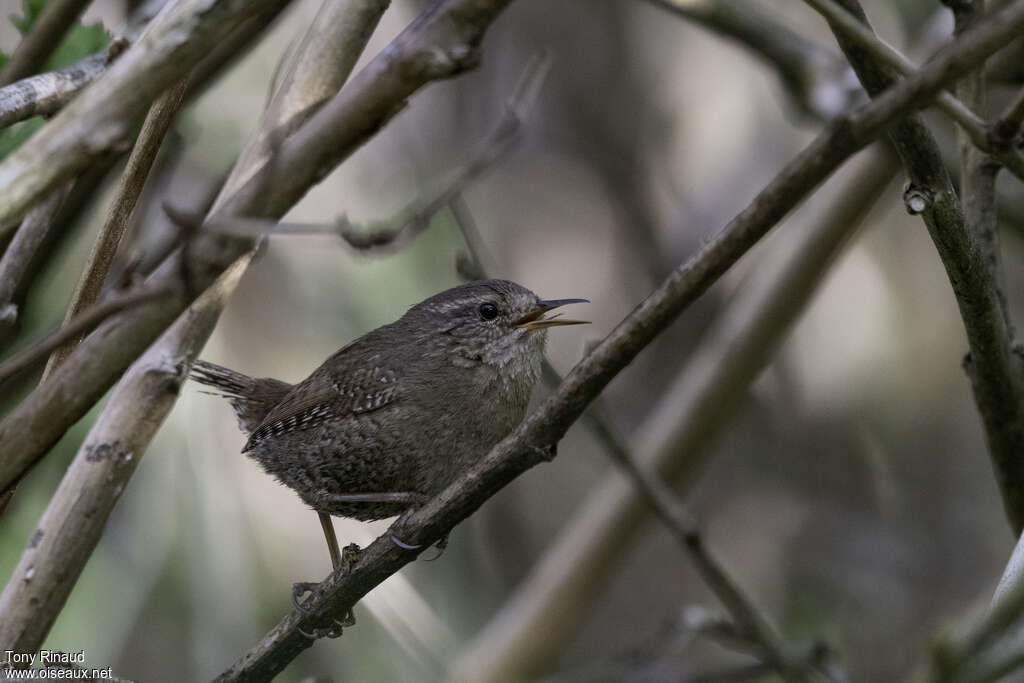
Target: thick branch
column 995, row 371
column 74, row 520
column 535, row 438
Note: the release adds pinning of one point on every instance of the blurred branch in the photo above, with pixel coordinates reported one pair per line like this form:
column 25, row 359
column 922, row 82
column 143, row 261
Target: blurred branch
column 22, row 253
column 46, row 93
column 534, row 440
column 77, row 513
column 133, row 179
column 978, row 130
column 87, row 320
column 812, row 74
column 416, row 217
column 674, row 441
column 99, row 120
column 1006, row 129
column 42, row 39
column 439, row 45
column 994, row 368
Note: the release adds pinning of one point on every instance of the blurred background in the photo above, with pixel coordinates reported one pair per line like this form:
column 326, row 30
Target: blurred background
column 848, row 489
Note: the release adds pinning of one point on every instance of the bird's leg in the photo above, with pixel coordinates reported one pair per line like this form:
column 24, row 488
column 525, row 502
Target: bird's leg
column 332, row 540
column 346, row 560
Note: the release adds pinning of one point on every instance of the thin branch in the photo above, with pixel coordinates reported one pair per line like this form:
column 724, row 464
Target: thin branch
column 99, row 120
column 133, row 179
column 46, row 93
column 416, row 217
column 42, row 39
column 995, row 371
column 674, row 440
column 88, row 320
column 813, row 75
column 533, row 441
column 1006, row 129
column 75, row 518
column 21, row 255
column 975, row 126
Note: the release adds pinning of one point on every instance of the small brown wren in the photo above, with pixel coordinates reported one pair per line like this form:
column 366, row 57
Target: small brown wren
column 393, row 417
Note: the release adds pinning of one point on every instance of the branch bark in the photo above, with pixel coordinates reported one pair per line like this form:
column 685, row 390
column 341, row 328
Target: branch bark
column 534, row 440
column 43, row 38
column 45, row 94
column 994, row 368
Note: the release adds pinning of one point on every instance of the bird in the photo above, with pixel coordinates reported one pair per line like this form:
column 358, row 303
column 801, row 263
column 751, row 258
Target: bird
column 392, row 418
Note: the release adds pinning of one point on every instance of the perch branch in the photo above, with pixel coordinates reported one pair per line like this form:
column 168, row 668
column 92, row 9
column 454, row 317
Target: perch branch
column 534, row 439
column 675, row 443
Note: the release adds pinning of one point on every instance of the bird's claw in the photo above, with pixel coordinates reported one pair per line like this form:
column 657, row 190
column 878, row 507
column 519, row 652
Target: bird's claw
column 298, row 591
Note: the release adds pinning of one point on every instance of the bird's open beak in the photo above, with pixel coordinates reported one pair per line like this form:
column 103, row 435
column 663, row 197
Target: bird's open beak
column 534, row 320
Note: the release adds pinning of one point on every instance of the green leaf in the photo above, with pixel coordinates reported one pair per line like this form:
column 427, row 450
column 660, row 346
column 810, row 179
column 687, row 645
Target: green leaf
column 31, row 10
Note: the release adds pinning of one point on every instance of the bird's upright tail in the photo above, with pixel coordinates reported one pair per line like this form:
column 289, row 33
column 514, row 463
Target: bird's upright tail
column 251, row 397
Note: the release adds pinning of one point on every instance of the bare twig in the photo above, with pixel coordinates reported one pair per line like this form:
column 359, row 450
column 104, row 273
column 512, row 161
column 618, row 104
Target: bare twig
column 46, row 93
column 996, row 373
column 133, row 179
column 20, row 255
column 534, row 439
column 74, row 520
column 88, row 320
column 416, row 217
column 813, row 75
column 673, row 442
column 99, row 120
column 975, row 126
column 42, row 39
column 1007, row 128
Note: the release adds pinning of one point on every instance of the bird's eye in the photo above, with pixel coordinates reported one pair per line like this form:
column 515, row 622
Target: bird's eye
column 488, row 311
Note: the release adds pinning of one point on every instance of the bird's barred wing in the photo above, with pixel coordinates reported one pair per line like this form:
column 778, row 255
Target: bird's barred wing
column 349, row 383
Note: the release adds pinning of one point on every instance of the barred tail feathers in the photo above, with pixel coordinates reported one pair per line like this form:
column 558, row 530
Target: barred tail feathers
column 252, row 398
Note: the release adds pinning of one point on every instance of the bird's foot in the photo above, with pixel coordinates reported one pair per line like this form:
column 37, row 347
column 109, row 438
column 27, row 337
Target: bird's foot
column 349, row 556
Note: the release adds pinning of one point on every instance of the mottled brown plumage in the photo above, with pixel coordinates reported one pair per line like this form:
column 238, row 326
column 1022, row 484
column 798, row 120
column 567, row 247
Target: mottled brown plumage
column 393, row 417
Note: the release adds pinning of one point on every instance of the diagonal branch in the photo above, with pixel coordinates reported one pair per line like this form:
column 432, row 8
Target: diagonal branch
column 534, row 440
column 994, row 368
